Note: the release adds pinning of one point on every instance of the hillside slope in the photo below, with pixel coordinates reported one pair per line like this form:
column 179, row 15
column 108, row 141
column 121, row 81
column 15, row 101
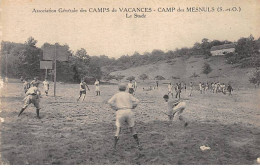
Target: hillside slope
column 182, row 69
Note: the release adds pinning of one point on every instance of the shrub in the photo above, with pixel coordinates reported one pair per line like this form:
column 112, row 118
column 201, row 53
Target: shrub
column 206, row 69
column 159, row 77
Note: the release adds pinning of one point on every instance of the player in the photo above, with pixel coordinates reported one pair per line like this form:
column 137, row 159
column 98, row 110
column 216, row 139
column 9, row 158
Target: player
column 229, row 89
column 22, row 79
column 135, row 85
column 175, row 107
column 170, row 89
column 191, row 88
column 26, row 85
column 215, row 87
column 97, row 87
column 32, row 96
column 223, row 88
column 200, row 86
column 178, row 90
column 130, row 87
column 157, row 84
column 46, row 86
column 123, row 103
column 83, row 86
column 207, row 87
column 35, row 80
column 218, row 87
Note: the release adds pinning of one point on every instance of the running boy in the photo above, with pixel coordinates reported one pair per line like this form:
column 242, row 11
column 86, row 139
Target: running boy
column 82, row 90
column 123, row 103
column 32, row 96
column 175, row 107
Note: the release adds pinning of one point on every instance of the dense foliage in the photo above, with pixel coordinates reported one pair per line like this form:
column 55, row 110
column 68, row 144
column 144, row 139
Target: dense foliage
column 24, row 59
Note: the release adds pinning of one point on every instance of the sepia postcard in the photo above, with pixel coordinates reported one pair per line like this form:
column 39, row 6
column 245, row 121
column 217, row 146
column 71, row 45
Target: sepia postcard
column 129, row 82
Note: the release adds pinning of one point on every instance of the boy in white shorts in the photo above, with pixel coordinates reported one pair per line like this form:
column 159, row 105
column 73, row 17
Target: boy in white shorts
column 175, row 107
column 123, row 103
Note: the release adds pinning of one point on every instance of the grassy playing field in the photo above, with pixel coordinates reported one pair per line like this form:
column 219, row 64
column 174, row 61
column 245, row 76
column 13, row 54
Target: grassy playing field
column 82, row 133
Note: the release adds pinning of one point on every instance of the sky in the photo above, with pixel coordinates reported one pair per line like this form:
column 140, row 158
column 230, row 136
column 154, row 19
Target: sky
column 112, row 34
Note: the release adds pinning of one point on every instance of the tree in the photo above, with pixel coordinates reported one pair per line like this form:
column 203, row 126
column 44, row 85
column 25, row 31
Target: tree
column 256, row 78
column 159, row 77
column 130, row 78
column 205, row 47
column 206, row 69
column 196, row 45
column 205, row 40
column 31, row 42
column 246, row 47
column 82, row 54
column 143, row 77
column 29, row 58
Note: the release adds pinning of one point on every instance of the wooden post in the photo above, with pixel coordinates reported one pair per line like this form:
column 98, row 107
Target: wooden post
column 46, row 72
column 55, row 60
column 6, row 66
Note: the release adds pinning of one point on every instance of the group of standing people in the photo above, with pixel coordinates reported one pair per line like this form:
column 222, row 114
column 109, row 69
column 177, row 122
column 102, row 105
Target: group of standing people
column 215, row 87
column 178, row 87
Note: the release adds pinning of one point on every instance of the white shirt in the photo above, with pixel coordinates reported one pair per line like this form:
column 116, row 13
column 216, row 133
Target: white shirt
column 130, row 85
column 123, row 100
column 169, row 87
column 200, row 85
column 97, row 85
column 46, row 85
column 33, row 91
